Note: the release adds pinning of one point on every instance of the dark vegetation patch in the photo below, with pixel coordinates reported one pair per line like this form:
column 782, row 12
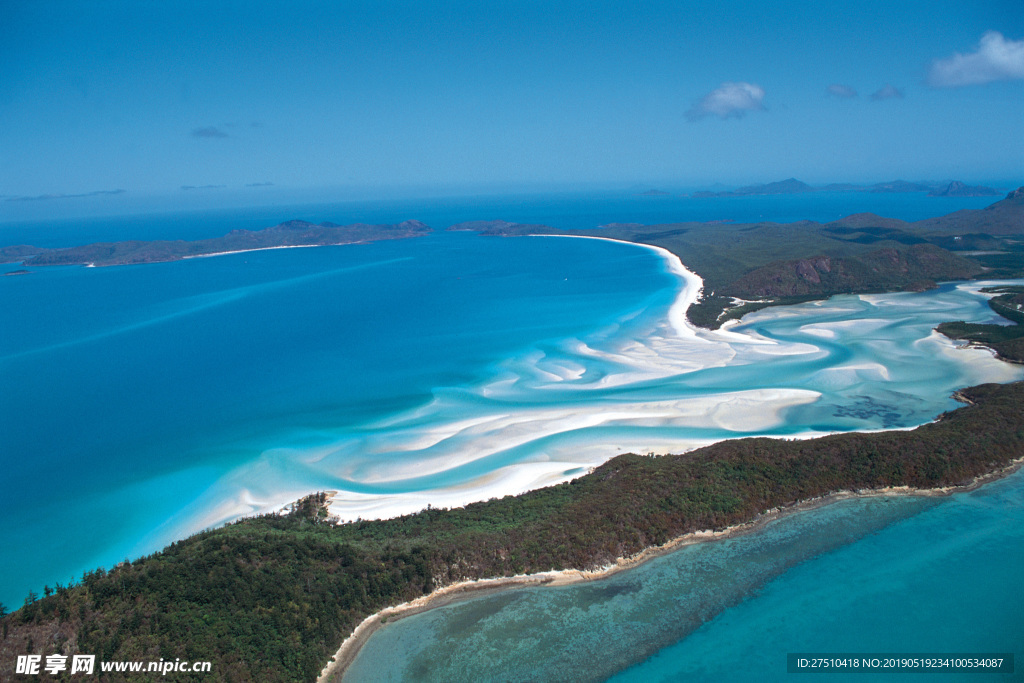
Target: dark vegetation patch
column 1006, row 340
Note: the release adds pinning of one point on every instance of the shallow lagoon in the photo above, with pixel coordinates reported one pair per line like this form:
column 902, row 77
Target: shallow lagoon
column 868, row 575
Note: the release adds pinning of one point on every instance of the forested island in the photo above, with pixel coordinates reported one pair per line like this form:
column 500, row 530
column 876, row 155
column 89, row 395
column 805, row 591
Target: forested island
column 794, row 186
column 748, row 266
column 271, row 598
column 294, row 233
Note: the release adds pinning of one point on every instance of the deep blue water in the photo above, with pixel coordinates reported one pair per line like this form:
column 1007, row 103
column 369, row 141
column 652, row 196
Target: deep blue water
column 139, row 404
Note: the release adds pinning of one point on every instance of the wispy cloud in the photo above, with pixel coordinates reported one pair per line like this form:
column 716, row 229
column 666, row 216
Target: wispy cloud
column 208, row 132
column 259, row 184
column 840, row 90
column 728, row 100
column 887, row 92
column 46, row 197
column 202, row 187
column 997, row 59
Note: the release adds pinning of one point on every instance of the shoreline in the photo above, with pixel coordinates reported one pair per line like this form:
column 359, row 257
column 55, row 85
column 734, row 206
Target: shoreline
column 688, row 295
column 209, row 255
column 282, row 246
column 346, row 654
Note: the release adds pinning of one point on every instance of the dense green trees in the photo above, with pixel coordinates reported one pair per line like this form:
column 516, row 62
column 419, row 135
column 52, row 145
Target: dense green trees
column 1006, row 340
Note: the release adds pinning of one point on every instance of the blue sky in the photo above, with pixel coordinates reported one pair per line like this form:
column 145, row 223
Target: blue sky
column 250, row 99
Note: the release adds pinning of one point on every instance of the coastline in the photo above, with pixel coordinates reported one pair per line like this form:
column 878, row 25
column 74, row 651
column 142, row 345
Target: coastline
column 687, row 294
column 690, row 293
column 665, row 355
column 283, row 246
column 220, row 253
column 335, row 669
column 608, row 563
column 674, row 329
column 497, row 585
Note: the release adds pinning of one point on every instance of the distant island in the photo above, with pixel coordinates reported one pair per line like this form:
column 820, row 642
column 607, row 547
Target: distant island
column 794, row 186
column 294, row 233
column 747, row 266
column 958, row 189
column 789, row 186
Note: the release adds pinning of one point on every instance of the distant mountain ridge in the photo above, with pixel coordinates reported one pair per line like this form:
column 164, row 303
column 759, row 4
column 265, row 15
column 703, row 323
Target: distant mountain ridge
column 958, row 189
column 794, row 186
column 788, row 186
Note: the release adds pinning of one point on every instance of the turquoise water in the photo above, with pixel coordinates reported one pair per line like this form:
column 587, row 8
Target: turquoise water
column 129, row 393
column 140, row 404
column 944, row 580
column 871, row 575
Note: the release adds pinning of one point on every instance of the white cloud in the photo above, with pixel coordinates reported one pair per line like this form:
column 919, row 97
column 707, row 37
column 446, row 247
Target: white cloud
column 887, row 92
column 840, row 90
column 997, row 59
column 208, row 132
column 728, row 99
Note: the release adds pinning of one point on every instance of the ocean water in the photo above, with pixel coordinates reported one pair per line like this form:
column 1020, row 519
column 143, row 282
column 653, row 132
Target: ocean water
column 870, row 575
column 566, row 211
column 131, row 395
column 140, row 404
